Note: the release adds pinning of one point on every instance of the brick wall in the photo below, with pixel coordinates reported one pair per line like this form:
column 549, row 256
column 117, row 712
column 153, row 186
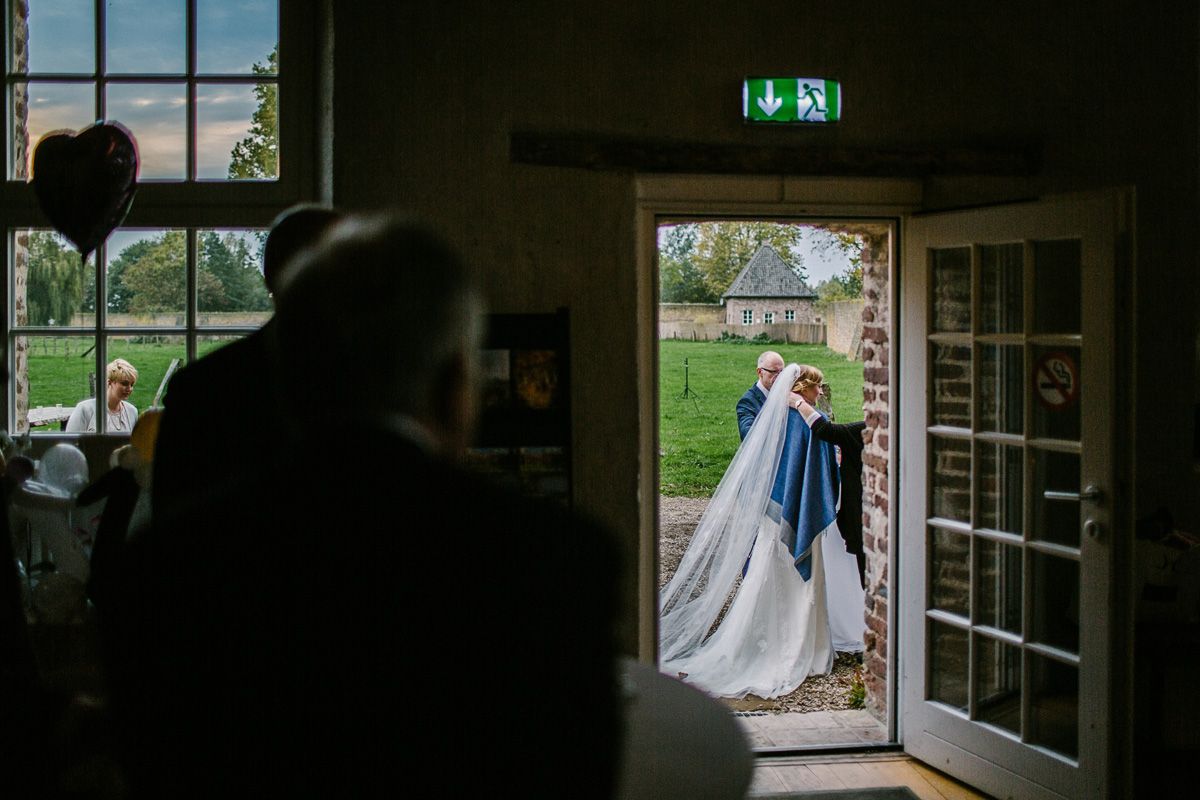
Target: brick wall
column 876, row 351
column 806, row 311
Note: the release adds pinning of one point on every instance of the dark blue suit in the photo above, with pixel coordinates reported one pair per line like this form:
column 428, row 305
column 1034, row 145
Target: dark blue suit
column 748, row 408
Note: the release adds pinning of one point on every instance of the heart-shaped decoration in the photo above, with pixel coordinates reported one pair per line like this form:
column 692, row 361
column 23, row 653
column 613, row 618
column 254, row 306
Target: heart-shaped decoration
column 85, row 181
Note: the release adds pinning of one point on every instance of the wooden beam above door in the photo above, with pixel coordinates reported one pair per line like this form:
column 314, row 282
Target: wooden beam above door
column 633, row 154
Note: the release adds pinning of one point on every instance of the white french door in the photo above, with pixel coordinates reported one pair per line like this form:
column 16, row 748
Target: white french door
column 1006, row 473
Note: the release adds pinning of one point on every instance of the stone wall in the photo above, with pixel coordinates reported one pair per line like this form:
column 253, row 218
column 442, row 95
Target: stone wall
column 843, row 327
column 691, row 312
column 876, row 353
column 176, row 319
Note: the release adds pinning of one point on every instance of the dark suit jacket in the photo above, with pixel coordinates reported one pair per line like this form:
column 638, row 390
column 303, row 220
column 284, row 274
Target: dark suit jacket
column 215, row 406
column 344, row 624
column 849, row 438
column 748, row 408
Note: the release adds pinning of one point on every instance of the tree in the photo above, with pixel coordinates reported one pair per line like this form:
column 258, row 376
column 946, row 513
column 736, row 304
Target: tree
column 724, row 248
column 54, row 287
column 257, row 156
column 230, row 260
column 154, row 277
column 680, row 279
column 847, row 285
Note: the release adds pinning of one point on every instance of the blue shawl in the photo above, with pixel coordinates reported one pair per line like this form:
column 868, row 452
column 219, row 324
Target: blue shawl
column 804, row 497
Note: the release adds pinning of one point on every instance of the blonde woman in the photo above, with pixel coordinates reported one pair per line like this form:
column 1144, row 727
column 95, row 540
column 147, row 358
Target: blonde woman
column 799, row 600
column 122, row 415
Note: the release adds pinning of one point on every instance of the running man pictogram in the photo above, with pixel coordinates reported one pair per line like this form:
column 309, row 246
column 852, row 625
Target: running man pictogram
column 810, row 94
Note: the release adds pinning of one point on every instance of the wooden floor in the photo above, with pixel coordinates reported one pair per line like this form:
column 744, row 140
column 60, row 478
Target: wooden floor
column 796, row 773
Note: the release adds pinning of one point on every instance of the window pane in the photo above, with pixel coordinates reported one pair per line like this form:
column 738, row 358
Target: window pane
column 947, row 664
column 951, row 394
column 52, row 371
column 1056, row 372
column 998, row 683
column 145, row 36
column 156, row 114
column 61, row 35
column 1054, row 712
column 1001, row 480
column 1055, row 520
column 1001, row 388
column 1055, row 601
column 952, row 289
column 152, row 357
column 1056, row 286
column 950, row 572
column 237, row 134
column 147, row 278
column 47, row 107
column 236, row 36
column 1000, row 284
column 52, row 287
column 230, row 283
column 998, row 585
column 950, row 482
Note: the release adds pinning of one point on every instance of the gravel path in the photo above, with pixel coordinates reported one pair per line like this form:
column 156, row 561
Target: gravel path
column 677, row 519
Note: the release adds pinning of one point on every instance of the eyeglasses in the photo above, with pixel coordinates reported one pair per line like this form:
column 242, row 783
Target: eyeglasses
column 772, row 371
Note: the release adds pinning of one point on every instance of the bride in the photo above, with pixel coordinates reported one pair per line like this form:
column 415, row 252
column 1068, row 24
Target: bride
column 798, row 599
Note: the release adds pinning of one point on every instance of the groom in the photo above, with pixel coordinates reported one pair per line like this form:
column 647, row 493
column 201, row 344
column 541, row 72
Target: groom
column 770, row 364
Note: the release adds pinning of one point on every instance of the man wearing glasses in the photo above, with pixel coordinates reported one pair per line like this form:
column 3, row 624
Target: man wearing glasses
column 770, row 364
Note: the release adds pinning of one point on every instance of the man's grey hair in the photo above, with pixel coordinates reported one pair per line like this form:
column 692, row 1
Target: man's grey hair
column 766, row 356
column 370, row 319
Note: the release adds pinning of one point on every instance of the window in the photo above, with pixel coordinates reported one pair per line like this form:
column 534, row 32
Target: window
column 748, row 316
column 768, row 317
column 212, row 92
column 789, row 315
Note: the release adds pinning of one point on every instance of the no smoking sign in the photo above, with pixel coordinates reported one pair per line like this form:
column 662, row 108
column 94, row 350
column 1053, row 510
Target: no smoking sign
column 1056, row 379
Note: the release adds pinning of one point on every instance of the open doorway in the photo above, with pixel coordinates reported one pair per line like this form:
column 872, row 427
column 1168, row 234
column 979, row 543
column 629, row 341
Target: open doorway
column 735, row 294
column 703, row 365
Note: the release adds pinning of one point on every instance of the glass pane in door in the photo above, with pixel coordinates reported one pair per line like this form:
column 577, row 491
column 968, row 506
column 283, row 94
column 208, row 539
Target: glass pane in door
column 998, row 683
column 1056, row 278
column 1055, row 510
column 952, row 289
column 948, row 650
column 951, row 389
column 1055, row 617
column 1054, row 706
column 1001, row 388
column 950, row 571
column 1002, row 308
column 1055, row 375
column 998, row 572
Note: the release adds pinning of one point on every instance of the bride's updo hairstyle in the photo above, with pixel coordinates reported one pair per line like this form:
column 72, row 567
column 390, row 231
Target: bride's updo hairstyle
column 809, row 376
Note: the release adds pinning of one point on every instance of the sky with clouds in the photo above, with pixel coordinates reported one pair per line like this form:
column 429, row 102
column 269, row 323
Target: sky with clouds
column 148, row 37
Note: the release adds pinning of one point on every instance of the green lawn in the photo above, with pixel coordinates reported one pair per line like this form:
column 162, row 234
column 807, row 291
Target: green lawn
column 698, row 434
column 59, row 367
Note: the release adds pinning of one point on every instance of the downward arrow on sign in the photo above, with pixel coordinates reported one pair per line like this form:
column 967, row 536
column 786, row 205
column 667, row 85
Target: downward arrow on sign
column 770, row 104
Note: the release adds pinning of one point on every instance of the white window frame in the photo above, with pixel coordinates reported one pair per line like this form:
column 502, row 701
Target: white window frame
column 789, row 315
column 747, row 316
column 187, row 204
column 768, row 317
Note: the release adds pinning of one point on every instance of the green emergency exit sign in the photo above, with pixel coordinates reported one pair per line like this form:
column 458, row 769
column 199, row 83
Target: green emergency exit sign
column 791, row 100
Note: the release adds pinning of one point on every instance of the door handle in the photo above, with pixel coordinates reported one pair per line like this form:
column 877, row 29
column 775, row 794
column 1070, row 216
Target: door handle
column 1089, row 493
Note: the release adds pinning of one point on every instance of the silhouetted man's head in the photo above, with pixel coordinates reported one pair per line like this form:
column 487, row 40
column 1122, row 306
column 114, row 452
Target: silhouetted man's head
column 295, row 229
column 381, row 318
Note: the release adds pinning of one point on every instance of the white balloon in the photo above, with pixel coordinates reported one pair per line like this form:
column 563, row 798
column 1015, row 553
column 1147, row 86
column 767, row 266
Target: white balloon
column 64, row 467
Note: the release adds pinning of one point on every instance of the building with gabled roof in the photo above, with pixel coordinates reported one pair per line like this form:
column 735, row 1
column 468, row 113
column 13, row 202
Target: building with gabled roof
column 768, row 291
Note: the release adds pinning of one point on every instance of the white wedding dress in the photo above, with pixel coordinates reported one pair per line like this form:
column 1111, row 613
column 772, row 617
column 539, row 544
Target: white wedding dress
column 779, row 628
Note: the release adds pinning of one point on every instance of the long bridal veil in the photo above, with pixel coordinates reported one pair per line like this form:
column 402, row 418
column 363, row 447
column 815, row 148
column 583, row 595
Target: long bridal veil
column 791, row 609
column 691, row 601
